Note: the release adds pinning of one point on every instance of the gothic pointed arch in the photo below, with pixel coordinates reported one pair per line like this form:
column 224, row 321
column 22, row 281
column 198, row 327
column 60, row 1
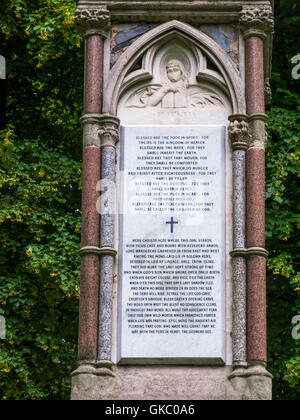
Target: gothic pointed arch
column 204, row 61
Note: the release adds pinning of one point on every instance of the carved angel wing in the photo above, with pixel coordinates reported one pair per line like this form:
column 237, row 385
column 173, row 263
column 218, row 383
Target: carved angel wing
column 139, row 98
column 200, row 99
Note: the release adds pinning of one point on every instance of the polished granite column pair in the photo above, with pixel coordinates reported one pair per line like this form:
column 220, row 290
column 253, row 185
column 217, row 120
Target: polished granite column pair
column 100, row 136
column 248, row 137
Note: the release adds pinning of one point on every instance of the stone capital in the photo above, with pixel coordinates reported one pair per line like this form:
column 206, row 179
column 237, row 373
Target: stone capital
column 90, row 124
column 257, row 20
column 258, row 130
column 239, row 131
column 93, row 21
column 90, row 119
column 109, row 130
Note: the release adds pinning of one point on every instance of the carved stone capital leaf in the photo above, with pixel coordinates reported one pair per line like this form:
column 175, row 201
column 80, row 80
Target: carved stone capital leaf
column 257, row 20
column 93, row 21
column 109, row 130
column 239, row 132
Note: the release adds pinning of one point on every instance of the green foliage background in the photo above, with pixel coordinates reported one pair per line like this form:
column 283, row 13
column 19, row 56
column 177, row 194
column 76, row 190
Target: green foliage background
column 283, row 205
column 40, row 175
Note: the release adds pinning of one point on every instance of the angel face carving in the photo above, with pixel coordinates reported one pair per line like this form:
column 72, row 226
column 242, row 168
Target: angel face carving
column 175, row 71
column 175, row 92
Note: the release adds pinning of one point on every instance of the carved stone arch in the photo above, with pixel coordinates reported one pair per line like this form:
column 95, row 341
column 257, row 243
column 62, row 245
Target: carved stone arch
column 120, row 78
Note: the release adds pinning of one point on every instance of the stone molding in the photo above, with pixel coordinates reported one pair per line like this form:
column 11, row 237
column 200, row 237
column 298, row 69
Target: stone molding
column 93, row 20
column 249, row 252
column 257, row 20
column 238, row 252
column 257, row 252
column 192, row 11
column 239, row 131
column 94, row 250
column 90, row 119
column 109, row 130
column 97, row 368
column 251, row 370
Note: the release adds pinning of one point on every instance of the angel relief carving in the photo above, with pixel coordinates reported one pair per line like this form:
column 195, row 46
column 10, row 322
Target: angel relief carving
column 174, row 92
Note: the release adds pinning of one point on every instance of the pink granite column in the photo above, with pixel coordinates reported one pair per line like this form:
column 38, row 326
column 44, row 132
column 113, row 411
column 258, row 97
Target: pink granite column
column 93, row 84
column 255, row 225
column 93, row 23
column 255, row 88
column 89, row 285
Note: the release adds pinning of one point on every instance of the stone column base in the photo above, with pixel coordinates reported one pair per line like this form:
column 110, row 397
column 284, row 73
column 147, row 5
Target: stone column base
column 253, row 383
column 98, row 381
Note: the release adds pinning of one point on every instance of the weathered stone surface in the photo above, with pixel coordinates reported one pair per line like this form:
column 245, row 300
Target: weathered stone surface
column 123, row 35
column 258, row 128
column 167, row 383
column 226, row 36
column 92, row 20
column 253, row 383
column 238, row 131
column 257, row 18
column 90, row 127
column 125, row 38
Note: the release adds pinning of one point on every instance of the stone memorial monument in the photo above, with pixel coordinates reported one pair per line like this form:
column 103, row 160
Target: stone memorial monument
column 173, row 259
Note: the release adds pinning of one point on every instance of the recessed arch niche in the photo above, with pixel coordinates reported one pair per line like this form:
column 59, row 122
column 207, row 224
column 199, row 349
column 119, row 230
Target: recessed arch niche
column 222, row 89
